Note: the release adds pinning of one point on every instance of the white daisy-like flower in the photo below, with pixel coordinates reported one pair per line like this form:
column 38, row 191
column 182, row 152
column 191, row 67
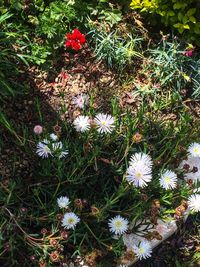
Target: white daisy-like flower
column 82, row 123
column 142, row 159
column 63, row 154
column 105, row 123
column 70, row 220
column 53, row 137
column 81, row 101
column 194, row 149
column 57, row 146
column 43, row 150
column 168, row 180
column 193, row 170
column 63, row 202
column 139, row 175
column 118, row 225
column 194, row 202
column 143, row 250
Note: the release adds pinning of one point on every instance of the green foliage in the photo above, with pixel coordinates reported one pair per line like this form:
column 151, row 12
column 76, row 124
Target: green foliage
column 54, row 21
column 172, row 69
column 117, row 51
column 95, row 171
column 181, row 15
column 9, row 59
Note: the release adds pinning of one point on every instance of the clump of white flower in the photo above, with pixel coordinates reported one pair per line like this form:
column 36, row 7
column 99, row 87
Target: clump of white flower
column 143, row 250
column 168, row 180
column 194, row 150
column 57, row 146
column 105, row 123
column 118, row 225
column 43, row 149
column 53, row 137
column 82, row 123
column 139, row 171
column 51, row 147
column 141, row 159
column 63, row 202
column 139, row 175
column 194, row 202
column 70, row 220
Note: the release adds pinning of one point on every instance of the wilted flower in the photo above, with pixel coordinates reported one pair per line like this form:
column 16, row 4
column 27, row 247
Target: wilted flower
column 63, row 202
column 82, row 123
column 104, row 123
column 54, row 256
column 81, row 101
column 94, row 210
column 194, row 202
column 57, row 129
column 53, row 242
column 168, row 180
column 70, row 220
column 143, row 250
column 191, row 166
column 118, row 225
column 137, row 137
column 38, row 129
column 43, row 150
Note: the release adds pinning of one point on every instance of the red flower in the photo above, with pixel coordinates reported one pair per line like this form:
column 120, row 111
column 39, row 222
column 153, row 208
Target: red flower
column 188, row 53
column 75, row 40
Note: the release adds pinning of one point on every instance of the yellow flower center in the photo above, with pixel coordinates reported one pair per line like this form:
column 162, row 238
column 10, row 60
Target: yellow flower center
column 141, row 250
column 70, row 221
column 196, row 150
column 103, row 123
column 46, row 149
column 167, row 179
column 138, row 175
column 118, row 224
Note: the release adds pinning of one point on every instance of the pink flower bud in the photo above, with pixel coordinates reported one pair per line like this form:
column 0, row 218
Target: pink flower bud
column 38, row 129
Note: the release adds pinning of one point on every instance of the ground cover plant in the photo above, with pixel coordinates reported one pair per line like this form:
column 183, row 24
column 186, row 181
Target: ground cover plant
column 100, row 150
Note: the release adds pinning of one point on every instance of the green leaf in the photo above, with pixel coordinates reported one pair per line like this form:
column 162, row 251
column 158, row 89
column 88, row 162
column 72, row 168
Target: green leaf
column 180, row 16
column 192, row 19
column 178, row 25
column 185, row 19
column 186, row 26
column 178, row 6
column 171, row 13
column 191, row 12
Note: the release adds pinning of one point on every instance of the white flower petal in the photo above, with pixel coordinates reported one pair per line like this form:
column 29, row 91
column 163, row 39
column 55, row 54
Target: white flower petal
column 168, row 180
column 118, row 225
column 105, row 123
column 82, row 123
column 70, row 220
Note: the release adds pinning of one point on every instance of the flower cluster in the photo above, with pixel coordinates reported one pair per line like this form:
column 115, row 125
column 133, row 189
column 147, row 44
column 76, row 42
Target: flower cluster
column 191, row 166
column 75, row 40
column 103, row 122
column 139, row 171
column 70, row 219
column 51, row 147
